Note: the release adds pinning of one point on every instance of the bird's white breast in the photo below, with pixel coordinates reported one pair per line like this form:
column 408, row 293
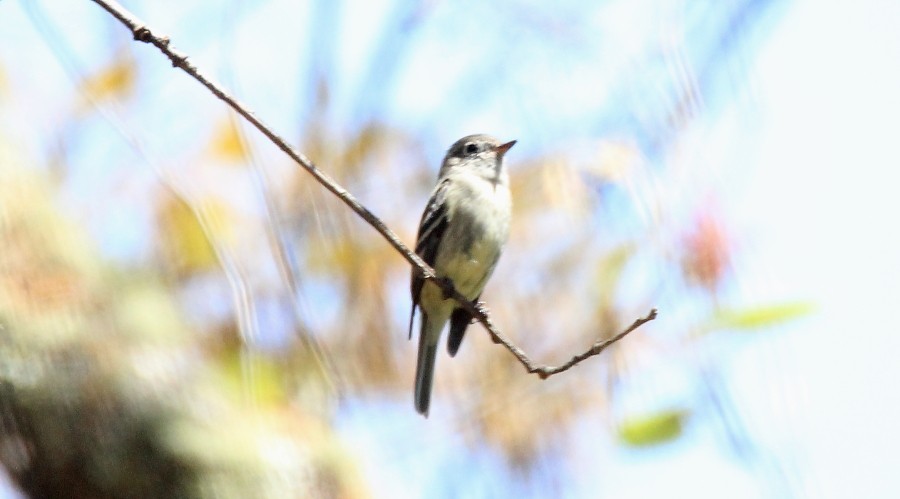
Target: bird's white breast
column 477, row 229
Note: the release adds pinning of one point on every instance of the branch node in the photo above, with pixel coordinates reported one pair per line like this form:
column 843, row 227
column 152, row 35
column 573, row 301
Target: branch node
column 143, row 34
column 178, row 60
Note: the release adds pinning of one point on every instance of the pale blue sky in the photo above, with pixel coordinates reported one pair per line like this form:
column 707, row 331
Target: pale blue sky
column 823, row 206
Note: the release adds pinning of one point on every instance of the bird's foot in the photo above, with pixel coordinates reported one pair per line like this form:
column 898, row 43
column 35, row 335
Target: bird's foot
column 449, row 284
column 481, row 307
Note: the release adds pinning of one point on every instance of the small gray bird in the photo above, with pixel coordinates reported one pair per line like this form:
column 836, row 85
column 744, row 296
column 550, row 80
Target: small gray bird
column 461, row 235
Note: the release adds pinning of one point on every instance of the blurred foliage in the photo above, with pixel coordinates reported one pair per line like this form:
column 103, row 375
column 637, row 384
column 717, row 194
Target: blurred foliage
column 760, row 316
column 107, row 393
column 609, row 270
column 706, row 252
column 114, row 81
column 652, row 429
column 252, row 312
column 185, row 241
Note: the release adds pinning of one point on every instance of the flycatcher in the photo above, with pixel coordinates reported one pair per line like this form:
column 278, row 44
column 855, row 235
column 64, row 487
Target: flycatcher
column 461, row 235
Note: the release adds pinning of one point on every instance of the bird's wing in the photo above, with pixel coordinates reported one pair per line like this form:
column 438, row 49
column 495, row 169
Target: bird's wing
column 431, row 232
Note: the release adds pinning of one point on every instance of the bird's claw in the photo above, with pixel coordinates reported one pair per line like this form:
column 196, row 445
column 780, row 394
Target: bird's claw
column 449, row 283
column 481, row 307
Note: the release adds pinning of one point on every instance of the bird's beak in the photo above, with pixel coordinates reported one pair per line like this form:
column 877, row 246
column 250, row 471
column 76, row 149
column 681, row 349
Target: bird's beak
column 502, row 148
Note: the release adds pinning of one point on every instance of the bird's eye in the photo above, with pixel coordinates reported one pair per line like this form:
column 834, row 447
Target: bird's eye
column 471, row 148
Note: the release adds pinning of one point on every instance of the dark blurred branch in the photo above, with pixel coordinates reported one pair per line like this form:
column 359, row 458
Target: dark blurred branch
column 144, row 34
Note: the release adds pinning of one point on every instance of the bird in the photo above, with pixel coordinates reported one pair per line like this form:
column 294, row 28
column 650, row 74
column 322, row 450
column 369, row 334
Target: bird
column 461, row 235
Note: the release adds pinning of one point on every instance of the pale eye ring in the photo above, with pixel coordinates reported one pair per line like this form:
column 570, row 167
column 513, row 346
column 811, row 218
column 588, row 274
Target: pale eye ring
column 471, row 148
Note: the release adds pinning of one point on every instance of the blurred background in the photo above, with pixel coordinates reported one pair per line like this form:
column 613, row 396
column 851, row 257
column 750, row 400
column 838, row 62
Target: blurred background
column 186, row 313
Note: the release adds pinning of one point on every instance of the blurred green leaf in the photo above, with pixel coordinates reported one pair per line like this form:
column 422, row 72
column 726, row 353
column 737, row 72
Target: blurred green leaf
column 653, row 429
column 761, row 316
column 610, row 267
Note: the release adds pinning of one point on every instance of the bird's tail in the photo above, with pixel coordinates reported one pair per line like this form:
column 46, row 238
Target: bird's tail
column 425, row 367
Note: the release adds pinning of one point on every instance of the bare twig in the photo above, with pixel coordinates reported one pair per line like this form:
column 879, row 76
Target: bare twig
column 545, row 371
column 144, row 34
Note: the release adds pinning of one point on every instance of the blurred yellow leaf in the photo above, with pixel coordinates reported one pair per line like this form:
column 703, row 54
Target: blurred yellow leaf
column 366, row 142
column 111, row 82
column 227, row 142
column 186, row 243
column 653, row 429
column 245, row 374
column 335, row 255
column 762, row 316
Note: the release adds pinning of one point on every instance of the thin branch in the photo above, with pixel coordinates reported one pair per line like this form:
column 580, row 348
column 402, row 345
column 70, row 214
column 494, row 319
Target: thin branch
column 144, row 34
column 545, row 371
